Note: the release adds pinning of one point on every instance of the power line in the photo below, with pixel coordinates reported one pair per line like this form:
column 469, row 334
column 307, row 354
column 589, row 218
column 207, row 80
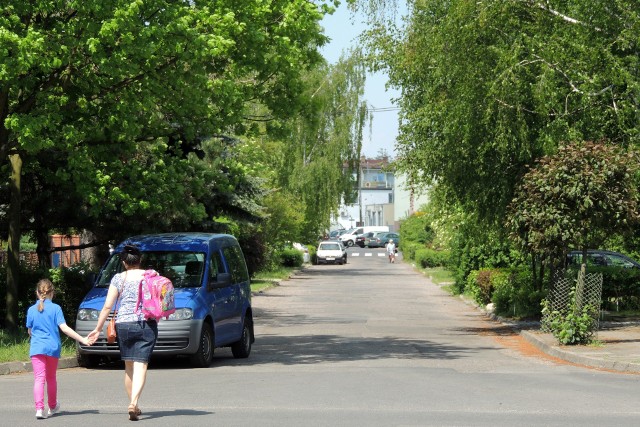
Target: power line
column 383, row 109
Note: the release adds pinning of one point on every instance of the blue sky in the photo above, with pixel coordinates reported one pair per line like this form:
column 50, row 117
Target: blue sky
column 343, row 29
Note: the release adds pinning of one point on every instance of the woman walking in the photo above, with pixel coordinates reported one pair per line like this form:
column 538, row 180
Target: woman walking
column 44, row 322
column 391, row 251
column 136, row 336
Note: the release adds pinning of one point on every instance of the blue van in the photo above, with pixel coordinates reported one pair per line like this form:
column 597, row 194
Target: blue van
column 212, row 297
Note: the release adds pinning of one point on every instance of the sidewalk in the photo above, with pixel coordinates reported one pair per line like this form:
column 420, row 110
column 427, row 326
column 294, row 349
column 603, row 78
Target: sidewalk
column 619, row 348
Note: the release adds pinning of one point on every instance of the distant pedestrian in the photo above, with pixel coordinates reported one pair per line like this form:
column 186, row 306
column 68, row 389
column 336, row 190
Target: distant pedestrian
column 44, row 322
column 391, row 251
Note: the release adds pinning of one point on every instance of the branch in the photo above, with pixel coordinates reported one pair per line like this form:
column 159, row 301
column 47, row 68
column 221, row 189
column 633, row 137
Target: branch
column 73, row 247
column 562, row 16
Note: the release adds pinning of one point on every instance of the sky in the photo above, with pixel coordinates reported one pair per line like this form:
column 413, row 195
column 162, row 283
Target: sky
column 343, row 30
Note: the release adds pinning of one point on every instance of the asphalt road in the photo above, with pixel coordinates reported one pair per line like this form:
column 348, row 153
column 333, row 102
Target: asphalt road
column 364, row 344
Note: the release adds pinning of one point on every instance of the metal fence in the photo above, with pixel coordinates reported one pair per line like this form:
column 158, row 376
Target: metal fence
column 587, row 291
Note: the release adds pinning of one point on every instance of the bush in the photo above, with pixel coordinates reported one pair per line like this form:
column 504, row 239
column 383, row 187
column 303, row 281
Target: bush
column 430, row 258
column 620, row 286
column 70, row 285
column 291, row 257
column 574, row 326
column 416, row 229
column 514, row 294
column 409, row 249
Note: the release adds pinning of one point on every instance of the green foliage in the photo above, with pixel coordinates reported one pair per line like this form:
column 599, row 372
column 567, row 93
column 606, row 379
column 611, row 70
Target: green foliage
column 416, row 228
column 291, row 257
column 429, row 258
column 575, row 198
column 114, row 119
column 480, row 286
column 620, row 286
column 575, row 325
column 511, row 290
column 70, row 285
column 477, row 245
column 409, row 249
column 514, row 294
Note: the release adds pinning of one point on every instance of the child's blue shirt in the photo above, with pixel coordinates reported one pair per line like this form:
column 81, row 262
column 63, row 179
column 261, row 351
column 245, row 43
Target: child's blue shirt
column 45, row 330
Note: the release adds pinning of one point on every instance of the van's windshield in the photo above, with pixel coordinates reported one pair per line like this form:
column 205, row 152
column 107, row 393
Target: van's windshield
column 184, row 269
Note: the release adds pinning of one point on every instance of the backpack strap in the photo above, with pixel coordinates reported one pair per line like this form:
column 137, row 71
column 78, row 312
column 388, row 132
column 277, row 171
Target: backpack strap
column 139, row 294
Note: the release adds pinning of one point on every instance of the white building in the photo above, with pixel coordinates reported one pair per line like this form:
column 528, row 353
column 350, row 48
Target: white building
column 374, row 204
column 408, row 200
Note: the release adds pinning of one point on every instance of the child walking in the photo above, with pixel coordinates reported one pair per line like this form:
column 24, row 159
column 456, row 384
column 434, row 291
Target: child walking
column 44, row 322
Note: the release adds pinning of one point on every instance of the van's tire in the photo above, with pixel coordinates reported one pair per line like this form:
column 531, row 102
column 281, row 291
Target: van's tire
column 349, row 243
column 204, row 356
column 242, row 348
column 87, row 360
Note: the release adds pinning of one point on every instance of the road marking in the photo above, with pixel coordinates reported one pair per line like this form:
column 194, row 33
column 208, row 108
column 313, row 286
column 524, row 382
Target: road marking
column 382, row 254
column 368, row 254
column 355, row 254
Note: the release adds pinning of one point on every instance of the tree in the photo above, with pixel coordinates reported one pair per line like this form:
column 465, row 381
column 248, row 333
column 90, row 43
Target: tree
column 488, row 87
column 120, row 88
column 576, row 198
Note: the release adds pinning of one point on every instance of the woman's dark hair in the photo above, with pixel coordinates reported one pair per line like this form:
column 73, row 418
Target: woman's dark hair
column 130, row 255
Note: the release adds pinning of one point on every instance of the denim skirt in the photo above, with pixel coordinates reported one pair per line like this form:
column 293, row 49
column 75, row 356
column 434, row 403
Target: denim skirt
column 137, row 339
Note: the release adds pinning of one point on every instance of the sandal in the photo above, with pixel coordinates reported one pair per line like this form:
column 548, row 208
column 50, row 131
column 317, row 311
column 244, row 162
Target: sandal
column 133, row 412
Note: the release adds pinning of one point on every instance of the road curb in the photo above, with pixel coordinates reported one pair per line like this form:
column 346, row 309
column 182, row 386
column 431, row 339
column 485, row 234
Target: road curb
column 579, row 359
column 9, row 368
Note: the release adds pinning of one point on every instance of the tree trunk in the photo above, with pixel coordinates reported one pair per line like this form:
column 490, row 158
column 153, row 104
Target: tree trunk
column 42, row 248
column 95, row 256
column 13, row 243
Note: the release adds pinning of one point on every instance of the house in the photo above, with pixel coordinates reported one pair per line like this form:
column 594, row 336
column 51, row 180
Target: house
column 375, row 199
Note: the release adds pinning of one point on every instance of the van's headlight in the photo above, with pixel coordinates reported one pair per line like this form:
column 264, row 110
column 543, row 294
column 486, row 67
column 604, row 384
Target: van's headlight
column 181, row 314
column 88, row 314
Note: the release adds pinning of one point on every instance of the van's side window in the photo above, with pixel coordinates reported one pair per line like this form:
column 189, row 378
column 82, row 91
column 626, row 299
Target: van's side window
column 215, row 266
column 237, row 266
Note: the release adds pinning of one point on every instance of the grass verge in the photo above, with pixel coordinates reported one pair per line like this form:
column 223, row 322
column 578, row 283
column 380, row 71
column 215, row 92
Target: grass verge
column 439, row 275
column 268, row 279
column 14, row 347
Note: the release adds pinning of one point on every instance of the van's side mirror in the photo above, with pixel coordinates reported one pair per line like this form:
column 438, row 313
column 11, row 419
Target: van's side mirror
column 222, row 280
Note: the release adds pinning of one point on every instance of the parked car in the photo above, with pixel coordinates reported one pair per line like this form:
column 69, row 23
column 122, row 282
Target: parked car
column 602, row 258
column 349, row 237
column 367, row 240
column 331, row 251
column 336, row 233
column 380, row 240
column 360, row 239
column 212, row 297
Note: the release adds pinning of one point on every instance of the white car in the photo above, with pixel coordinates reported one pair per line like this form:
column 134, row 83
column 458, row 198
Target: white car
column 330, row 252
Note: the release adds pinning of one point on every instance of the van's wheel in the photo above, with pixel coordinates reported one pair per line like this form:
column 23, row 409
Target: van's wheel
column 242, row 348
column 203, row 357
column 349, row 243
column 87, row 360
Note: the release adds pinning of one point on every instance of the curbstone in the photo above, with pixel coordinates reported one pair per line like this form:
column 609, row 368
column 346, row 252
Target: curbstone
column 579, row 359
column 22, row 367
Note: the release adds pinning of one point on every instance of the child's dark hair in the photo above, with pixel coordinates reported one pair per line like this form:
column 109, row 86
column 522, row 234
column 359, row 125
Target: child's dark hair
column 130, row 255
column 44, row 290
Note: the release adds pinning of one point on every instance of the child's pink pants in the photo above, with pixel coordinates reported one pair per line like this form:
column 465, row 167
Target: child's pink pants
column 44, row 370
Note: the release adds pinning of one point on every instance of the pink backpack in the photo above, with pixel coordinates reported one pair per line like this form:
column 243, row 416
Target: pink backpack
column 156, row 295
